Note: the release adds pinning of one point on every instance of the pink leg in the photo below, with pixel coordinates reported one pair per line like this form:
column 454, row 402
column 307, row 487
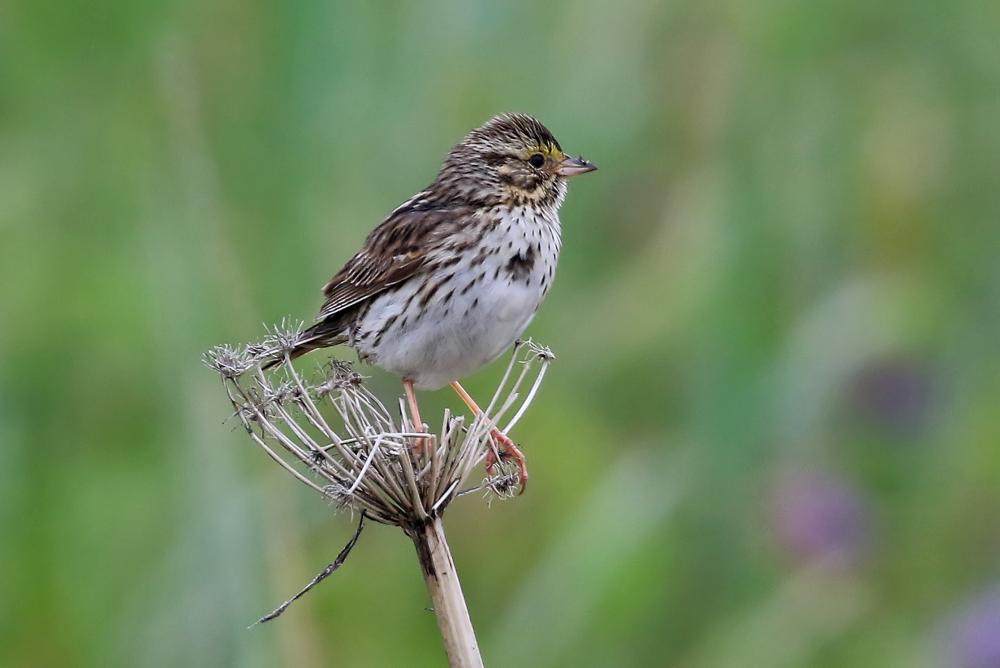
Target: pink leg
column 506, row 446
column 418, row 424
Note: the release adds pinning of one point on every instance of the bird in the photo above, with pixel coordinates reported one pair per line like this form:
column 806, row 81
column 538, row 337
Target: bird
column 453, row 276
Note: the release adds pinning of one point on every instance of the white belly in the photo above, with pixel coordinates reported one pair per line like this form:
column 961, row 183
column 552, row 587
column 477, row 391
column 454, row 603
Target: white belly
column 472, row 318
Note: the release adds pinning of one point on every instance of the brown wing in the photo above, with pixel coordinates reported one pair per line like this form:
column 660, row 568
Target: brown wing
column 365, row 275
column 394, row 251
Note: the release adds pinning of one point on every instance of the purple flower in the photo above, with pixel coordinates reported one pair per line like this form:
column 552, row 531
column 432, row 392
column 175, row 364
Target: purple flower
column 895, row 394
column 972, row 634
column 819, row 517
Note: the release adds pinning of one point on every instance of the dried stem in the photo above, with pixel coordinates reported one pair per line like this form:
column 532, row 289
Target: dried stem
column 323, row 574
column 445, row 590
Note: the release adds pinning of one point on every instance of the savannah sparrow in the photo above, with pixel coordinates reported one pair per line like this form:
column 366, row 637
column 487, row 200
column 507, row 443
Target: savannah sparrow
column 455, row 274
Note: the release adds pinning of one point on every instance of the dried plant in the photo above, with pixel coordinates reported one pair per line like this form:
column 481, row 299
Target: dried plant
column 331, row 433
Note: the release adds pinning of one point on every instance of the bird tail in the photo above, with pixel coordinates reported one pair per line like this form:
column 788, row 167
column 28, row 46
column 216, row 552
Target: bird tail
column 321, row 335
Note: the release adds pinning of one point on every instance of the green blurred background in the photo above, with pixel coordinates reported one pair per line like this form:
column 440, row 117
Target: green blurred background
column 771, row 436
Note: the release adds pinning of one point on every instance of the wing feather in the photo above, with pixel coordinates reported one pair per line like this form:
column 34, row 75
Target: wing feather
column 364, row 277
column 394, row 252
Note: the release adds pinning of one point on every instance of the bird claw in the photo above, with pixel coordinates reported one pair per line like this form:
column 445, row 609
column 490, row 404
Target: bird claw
column 506, row 448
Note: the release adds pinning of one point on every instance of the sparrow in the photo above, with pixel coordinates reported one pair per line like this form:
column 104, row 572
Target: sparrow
column 454, row 275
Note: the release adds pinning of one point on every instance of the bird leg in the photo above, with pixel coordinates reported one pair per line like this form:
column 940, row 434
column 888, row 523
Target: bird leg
column 506, row 446
column 418, row 424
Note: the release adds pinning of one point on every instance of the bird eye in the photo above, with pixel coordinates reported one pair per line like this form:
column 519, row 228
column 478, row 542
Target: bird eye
column 537, row 160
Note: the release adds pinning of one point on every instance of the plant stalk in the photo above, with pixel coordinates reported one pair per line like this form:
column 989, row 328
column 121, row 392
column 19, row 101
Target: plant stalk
column 446, row 594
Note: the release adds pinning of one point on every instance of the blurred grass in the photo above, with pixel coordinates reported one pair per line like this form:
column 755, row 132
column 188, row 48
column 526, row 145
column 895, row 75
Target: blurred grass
column 787, row 263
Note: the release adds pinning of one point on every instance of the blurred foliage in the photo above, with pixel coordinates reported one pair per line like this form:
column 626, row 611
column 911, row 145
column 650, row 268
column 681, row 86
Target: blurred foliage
column 782, row 284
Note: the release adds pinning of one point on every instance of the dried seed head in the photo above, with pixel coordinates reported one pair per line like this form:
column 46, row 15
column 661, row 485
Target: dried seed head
column 543, row 353
column 504, row 485
column 257, row 351
column 282, row 338
column 335, row 436
column 281, row 393
column 343, row 374
column 228, row 361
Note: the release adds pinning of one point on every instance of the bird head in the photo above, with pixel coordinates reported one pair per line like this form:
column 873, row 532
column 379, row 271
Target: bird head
column 511, row 159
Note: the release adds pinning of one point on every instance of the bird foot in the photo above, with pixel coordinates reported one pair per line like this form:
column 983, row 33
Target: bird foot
column 505, row 448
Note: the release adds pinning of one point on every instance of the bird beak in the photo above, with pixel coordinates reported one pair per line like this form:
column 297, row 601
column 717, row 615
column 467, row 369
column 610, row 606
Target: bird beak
column 570, row 166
